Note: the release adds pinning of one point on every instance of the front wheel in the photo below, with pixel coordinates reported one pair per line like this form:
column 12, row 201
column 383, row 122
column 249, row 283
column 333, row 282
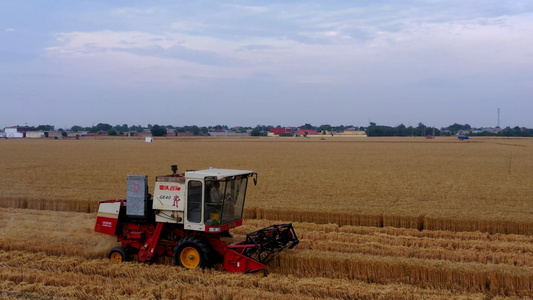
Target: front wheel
column 117, row 254
column 192, row 252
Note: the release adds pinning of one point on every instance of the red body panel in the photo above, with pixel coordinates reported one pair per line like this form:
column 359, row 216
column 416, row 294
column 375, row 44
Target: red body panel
column 236, row 262
column 108, row 215
column 106, row 225
column 155, row 238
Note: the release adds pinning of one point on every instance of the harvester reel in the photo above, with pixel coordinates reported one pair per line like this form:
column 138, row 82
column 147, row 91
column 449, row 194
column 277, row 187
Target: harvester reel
column 269, row 241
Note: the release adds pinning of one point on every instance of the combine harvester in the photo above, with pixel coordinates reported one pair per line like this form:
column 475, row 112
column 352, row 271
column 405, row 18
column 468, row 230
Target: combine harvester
column 186, row 218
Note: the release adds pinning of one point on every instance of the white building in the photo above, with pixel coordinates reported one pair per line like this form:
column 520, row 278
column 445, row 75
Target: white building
column 34, row 134
column 12, row 132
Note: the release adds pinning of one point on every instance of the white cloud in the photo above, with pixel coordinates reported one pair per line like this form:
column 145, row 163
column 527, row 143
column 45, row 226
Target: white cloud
column 381, row 52
column 248, row 10
column 11, row 30
column 130, row 11
column 409, row 51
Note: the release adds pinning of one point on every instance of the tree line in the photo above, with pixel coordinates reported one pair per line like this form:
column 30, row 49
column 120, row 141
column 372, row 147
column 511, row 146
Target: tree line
column 262, row 130
column 452, row 130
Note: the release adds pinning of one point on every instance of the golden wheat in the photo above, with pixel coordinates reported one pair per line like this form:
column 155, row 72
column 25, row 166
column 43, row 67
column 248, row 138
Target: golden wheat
column 462, row 211
column 78, row 278
column 447, row 263
column 439, row 185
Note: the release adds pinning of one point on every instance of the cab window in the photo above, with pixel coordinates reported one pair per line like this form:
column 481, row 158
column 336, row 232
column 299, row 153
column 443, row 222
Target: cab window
column 194, row 201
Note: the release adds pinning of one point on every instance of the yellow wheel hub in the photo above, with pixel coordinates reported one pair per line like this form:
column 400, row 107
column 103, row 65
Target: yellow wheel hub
column 116, row 256
column 190, row 258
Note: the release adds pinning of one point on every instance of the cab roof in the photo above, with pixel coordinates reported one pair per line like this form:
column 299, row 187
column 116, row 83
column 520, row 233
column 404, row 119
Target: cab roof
column 216, row 173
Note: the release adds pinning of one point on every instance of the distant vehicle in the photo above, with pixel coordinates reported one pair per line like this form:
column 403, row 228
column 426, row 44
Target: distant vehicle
column 462, row 137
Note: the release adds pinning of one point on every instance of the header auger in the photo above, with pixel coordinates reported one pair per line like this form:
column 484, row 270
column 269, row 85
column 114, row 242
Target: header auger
column 187, row 217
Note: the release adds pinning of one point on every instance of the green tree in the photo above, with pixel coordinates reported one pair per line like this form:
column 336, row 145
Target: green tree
column 307, row 126
column 112, row 132
column 325, row 127
column 46, row 127
column 220, row 127
column 401, row 130
column 517, row 131
column 458, row 127
column 103, row 127
column 121, row 128
column 421, row 129
column 157, row 130
column 195, row 130
column 76, row 128
column 258, row 131
column 136, row 128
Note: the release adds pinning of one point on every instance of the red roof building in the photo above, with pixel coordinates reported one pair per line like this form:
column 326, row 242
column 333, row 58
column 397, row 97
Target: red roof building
column 284, row 130
column 308, row 131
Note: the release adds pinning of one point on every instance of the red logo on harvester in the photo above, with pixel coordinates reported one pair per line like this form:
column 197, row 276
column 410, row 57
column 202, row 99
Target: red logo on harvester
column 169, row 188
column 176, row 200
column 136, row 187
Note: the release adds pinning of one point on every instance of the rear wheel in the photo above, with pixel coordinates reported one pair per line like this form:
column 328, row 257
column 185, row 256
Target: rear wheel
column 117, row 254
column 192, row 252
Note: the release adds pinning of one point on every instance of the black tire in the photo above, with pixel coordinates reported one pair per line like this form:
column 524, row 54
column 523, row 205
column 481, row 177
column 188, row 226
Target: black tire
column 192, row 252
column 117, row 254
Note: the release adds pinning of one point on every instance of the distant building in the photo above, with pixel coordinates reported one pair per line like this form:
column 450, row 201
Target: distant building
column 34, row 134
column 53, row 134
column 284, row 130
column 353, row 132
column 227, row 133
column 73, row 134
column 18, row 131
column 187, row 133
column 493, row 130
column 313, row 131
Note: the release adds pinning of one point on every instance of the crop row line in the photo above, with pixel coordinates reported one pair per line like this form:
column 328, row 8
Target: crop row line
column 25, row 274
column 419, row 222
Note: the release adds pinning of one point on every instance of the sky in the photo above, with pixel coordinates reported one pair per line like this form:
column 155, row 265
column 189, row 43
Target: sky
column 248, row 63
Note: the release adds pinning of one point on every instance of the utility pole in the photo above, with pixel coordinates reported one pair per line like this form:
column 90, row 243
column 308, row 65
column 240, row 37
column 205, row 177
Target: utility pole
column 498, row 119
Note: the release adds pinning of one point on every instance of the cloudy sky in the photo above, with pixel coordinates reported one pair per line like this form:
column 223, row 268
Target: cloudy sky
column 246, row 63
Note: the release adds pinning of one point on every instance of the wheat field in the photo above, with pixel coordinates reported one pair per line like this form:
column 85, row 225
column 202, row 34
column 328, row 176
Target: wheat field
column 383, row 218
column 40, row 257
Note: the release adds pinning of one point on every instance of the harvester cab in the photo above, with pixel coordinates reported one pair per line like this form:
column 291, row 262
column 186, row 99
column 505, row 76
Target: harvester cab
column 209, row 200
column 187, row 216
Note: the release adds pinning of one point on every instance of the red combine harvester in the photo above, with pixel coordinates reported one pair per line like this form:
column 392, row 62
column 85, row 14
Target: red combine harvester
column 186, row 218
